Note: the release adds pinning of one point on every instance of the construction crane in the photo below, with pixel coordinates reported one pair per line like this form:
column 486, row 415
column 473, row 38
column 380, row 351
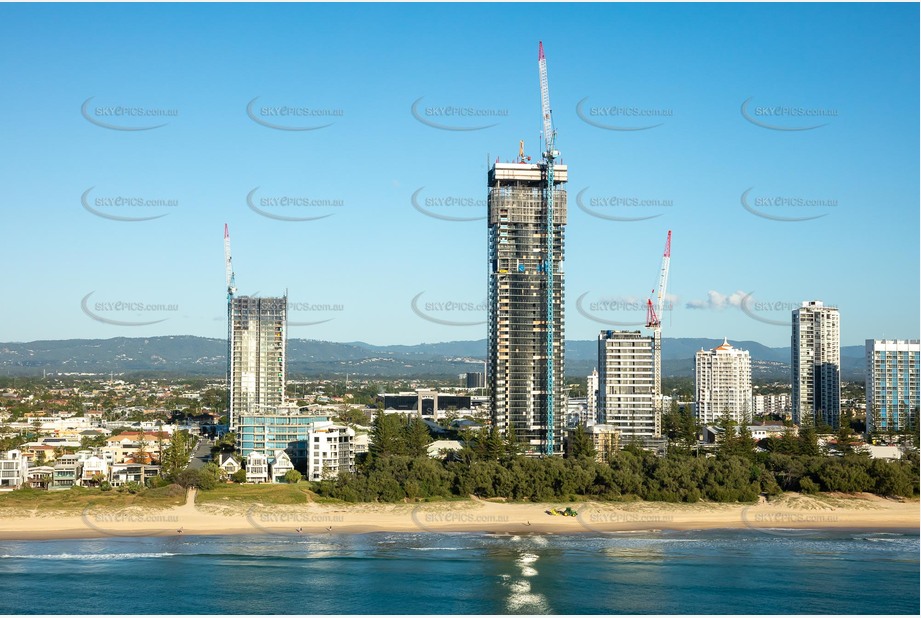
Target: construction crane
column 550, row 155
column 231, row 290
column 228, row 265
column 654, row 321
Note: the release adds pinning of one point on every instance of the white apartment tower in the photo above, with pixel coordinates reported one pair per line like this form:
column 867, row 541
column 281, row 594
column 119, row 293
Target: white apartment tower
column 816, row 364
column 893, row 389
column 626, row 385
column 723, row 384
column 330, row 450
column 592, row 399
column 258, row 340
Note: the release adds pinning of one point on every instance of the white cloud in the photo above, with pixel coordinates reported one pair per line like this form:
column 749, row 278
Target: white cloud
column 718, row 301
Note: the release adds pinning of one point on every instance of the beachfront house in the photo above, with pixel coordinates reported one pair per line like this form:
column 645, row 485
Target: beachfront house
column 132, row 473
column 257, row 468
column 281, row 465
column 228, row 463
column 66, row 472
column 13, row 470
column 95, row 470
column 40, row 477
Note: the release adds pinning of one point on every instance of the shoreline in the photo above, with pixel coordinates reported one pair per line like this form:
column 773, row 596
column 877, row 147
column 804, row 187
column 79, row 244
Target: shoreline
column 787, row 515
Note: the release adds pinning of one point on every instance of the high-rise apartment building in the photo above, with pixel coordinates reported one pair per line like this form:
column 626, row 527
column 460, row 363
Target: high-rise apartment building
column 258, row 341
column 517, row 368
column 626, row 385
column 592, row 403
column 723, row 384
column 893, row 389
column 771, row 405
column 816, row 364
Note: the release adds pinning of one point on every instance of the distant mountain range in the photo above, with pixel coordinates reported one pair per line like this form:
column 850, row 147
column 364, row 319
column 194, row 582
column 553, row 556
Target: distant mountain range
column 199, row 356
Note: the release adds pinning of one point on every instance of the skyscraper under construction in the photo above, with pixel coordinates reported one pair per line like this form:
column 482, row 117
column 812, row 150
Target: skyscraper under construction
column 518, row 308
column 257, row 355
column 527, row 215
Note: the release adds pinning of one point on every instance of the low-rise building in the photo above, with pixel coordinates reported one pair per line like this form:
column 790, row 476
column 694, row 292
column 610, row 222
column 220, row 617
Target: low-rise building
column 605, row 439
column 14, row 470
column 122, row 474
column 40, row 477
column 66, row 472
column 95, row 471
column 361, row 442
column 330, row 451
column 281, row 465
column 876, row 451
column 228, row 463
column 441, row 448
column 773, row 430
column 133, row 445
column 266, row 433
column 257, row 468
column 426, row 403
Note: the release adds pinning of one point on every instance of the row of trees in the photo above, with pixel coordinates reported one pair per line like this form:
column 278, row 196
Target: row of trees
column 397, row 468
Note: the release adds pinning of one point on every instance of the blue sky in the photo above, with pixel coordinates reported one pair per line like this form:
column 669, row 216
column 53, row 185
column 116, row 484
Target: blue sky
column 687, row 68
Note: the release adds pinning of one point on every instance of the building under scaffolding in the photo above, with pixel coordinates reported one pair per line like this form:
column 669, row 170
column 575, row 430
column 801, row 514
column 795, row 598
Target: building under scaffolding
column 518, row 308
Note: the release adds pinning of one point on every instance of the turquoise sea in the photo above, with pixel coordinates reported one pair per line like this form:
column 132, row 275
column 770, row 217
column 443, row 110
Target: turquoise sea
column 688, row 572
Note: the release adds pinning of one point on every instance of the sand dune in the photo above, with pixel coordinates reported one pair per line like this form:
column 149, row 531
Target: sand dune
column 788, row 512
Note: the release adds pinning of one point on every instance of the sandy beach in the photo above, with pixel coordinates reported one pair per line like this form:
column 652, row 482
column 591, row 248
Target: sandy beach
column 787, row 512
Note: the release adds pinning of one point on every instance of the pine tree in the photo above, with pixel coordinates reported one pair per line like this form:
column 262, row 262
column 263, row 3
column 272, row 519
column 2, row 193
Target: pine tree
column 387, row 436
column 417, row 437
column 580, row 445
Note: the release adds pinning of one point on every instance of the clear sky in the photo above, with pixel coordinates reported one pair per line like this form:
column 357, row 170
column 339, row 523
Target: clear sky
column 728, row 100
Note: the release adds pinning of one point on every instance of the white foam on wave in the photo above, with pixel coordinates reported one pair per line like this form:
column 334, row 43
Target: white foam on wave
column 527, row 558
column 95, row 557
column 521, row 597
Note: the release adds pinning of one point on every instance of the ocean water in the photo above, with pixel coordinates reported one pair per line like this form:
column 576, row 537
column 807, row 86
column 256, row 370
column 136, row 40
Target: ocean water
column 670, row 572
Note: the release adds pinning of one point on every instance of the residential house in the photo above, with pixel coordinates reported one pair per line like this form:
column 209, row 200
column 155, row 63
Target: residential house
column 66, row 472
column 132, row 473
column 227, row 463
column 95, row 470
column 40, row 477
column 13, row 470
column 257, row 468
column 126, row 447
column 281, row 465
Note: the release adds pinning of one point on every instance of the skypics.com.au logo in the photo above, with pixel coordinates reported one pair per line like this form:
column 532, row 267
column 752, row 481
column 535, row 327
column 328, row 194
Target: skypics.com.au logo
column 126, row 522
column 291, row 521
column 605, row 309
column 439, row 206
column 770, row 206
column 786, row 117
column 293, row 207
column 622, row 117
column 292, row 117
column 430, row 310
column 127, row 207
column 98, row 310
column 442, row 521
column 606, row 521
column 617, row 207
column 295, row 308
column 455, row 117
column 126, row 117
